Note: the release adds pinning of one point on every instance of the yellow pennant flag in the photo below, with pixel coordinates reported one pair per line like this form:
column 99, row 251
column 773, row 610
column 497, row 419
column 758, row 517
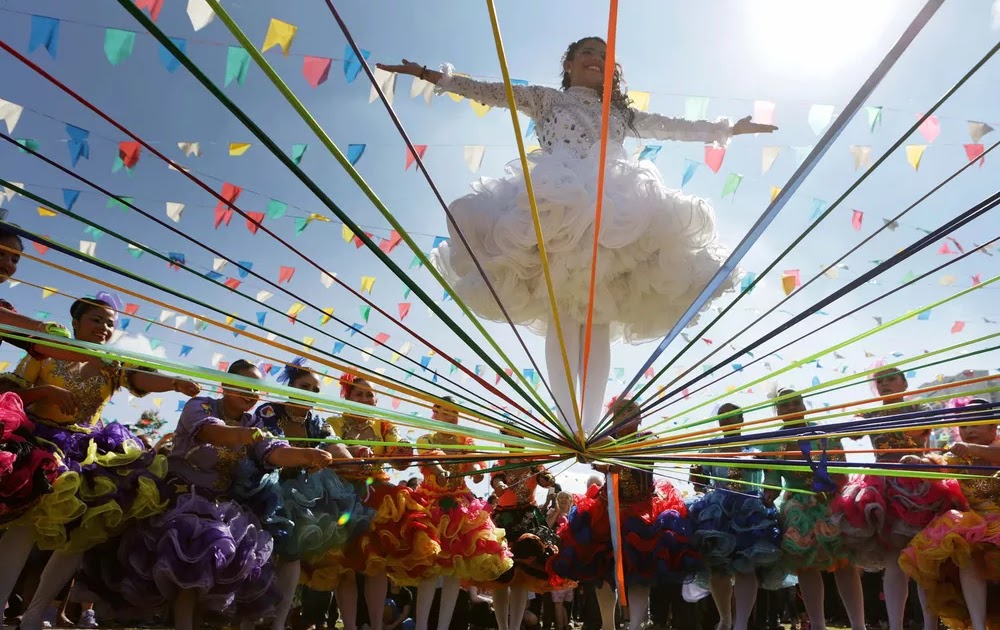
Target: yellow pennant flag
column 157, row 401
column 279, row 34
column 327, row 380
column 532, row 148
column 309, row 341
column 48, row 291
column 479, row 108
column 640, row 100
column 367, row 283
column 315, row 216
column 229, row 320
column 346, row 233
column 947, row 281
column 327, row 314
column 295, row 309
column 914, row 152
column 394, row 358
column 238, row 148
column 4, row 365
column 45, row 212
column 774, row 192
column 458, row 98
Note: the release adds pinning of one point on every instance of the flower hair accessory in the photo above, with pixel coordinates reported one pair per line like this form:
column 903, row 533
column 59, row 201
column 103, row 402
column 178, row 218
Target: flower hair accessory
column 111, row 300
column 347, row 382
column 293, row 367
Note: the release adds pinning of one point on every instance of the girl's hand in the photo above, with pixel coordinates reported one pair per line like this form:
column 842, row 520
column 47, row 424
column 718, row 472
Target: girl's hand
column 961, row 449
column 915, row 459
column 361, row 452
column 186, row 387
column 746, row 125
column 315, row 459
column 407, row 67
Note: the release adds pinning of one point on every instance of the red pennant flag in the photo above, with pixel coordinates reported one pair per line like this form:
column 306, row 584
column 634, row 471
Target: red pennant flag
column 153, row 6
column 381, row 338
column 232, row 283
column 41, row 249
column 944, row 249
column 223, row 366
column 358, row 243
column 714, row 156
column 256, row 218
column 976, row 279
column 973, row 151
column 856, row 218
column 420, row 148
column 707, row 340
column 224, row 210
column 957, row 328
column 266, row 367
column 315, row 70
column 129, row 153
column 404, row 310
column 131, row 309
column 389, row 244
column 285, row 274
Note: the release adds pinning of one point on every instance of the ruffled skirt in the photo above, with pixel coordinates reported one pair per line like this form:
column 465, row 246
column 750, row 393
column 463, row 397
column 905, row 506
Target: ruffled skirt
column 106, row 482
column 735, row 533
column 657, row 540
column 956, row 540
column 27, row 471
column 876, row 514
column 811, row 540
column 533, row 546
column 657, row 251
column 217, row 548
column 472, row 548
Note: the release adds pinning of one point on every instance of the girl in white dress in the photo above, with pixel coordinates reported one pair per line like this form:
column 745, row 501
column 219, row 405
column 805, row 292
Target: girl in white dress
column 657, row 250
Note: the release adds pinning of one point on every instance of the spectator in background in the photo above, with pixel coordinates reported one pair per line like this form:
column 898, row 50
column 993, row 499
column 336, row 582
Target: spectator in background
column 413, row 482
column 399, row 608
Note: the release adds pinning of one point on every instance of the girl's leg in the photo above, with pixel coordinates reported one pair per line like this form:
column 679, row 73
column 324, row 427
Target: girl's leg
column 185, row 606
column 811, row 585
column 517, row 605
column 560, row 612
column 974, row 591
column 288, row 579
column 930, row 618
column 347, row 601
column 376, row 588
column 721, row 587
column 501, row 607
column 561, row 390
column 425, row 600
column 15, row 547
column 598, row 369
column 59, row 570
column 607, row 599
column 746, row 597
column 895, row 585
column 849, row 586
column 638, row 605
column 449, row 597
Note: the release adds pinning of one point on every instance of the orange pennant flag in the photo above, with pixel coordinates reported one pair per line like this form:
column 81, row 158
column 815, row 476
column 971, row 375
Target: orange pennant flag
column 285, row 274
column 421, row 149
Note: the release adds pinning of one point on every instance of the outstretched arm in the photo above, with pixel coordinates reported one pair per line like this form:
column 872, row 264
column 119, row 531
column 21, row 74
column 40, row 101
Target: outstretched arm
column 661, row 127
column 527, row 97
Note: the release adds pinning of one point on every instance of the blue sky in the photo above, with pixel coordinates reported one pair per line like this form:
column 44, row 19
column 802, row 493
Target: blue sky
column 793, row 54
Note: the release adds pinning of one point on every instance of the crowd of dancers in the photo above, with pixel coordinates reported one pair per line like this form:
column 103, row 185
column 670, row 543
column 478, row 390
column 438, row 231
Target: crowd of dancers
column 233, row 513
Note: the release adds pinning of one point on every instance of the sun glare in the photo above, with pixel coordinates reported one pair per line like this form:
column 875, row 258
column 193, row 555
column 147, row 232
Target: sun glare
column 811, row 38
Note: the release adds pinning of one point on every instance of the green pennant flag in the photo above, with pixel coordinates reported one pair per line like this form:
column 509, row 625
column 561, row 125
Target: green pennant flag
column 298, row 150
column 237, row 64
column 276, row 209
column 874, row 114
column 366, row 312
column 28, row 143
column 300, row 224
column 118, row 45
column 732, row 184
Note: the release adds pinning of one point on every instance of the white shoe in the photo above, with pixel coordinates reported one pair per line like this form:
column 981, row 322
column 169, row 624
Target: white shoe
column 87, row 620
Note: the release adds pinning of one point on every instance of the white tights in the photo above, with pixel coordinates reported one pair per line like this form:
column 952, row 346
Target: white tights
column 746, row 595
column 896, row 586
column 598, row 368
column 638, row 605
column 425, row 599
column 848, row 585
column 15, row 547
column 974, row 592
column 509, row 604
column 376, row 588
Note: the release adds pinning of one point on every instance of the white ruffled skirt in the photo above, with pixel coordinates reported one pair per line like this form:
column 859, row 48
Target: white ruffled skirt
column 658, row 248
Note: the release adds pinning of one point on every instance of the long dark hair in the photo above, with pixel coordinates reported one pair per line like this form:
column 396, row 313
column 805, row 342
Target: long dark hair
column 619, row 98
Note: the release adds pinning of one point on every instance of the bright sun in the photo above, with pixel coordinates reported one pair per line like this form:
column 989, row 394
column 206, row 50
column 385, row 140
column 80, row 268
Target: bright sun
column 816, row 38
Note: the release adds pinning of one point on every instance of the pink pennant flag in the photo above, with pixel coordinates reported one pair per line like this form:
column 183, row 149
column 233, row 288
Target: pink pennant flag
column 256, row 218
column 496, row 379
column 404, row 310
column 956, row 244
column 389, row 244
column 930, row 128
column 41, row 249
column 285, row 274
column 421, row 150
column 153, row 6
column 381, row 338
column 131, row 309
column 714, row 156
column 223, row 210
column 944, row 249
column 957, row 327
column 976, row 279
column 358, row 243
column 973, row 151
column 648, row 373
column 395, row 403
column 316, row 70
column 763, row 112
column 857, row 217
column 707, row 341
column 129, row 153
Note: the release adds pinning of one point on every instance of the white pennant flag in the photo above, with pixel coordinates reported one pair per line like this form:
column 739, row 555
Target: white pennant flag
column 862, row 157
column 13, row 283
column 385, row 80
column 820, row 117
column 180, row 320
column 88, row 247
column 10, row 113
column 767, row 157
column 171, row 167
column 190, row 148
column 326, row 279
column 216, row 357
column 978, row 129
column 218, row 264
column 200, row 14
column 9, row 193
column 271, row 336
column 165, row 315
column 367, row 354
column 419, row 87
column 474, row 156
column 174, row 211
column 405, row 349
column 264, row 296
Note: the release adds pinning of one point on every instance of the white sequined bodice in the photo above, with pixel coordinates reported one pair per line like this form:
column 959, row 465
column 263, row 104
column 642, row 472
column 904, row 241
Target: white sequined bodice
column 571, row 119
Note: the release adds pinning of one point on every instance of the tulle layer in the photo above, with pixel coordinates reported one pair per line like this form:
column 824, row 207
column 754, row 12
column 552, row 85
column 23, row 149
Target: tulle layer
column 472, row 548
column 811, row 540
column 876, row 513
column 657, row 540
column 657, row 247
column 107, row 481
column 401, row 541
column 951, row 541
column 26, row 471
column 735, row 533
column 326, row 511
column 215, row 547
column 533, row 546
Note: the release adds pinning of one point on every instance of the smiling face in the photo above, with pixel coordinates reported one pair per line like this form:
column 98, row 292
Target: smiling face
column 10, row 255
column 95, row 324
column 584, row 63
column 242, row 399
column 445, row 413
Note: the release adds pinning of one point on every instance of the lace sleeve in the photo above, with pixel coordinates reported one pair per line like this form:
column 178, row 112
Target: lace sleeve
column 661, row 127
column 528, row 97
